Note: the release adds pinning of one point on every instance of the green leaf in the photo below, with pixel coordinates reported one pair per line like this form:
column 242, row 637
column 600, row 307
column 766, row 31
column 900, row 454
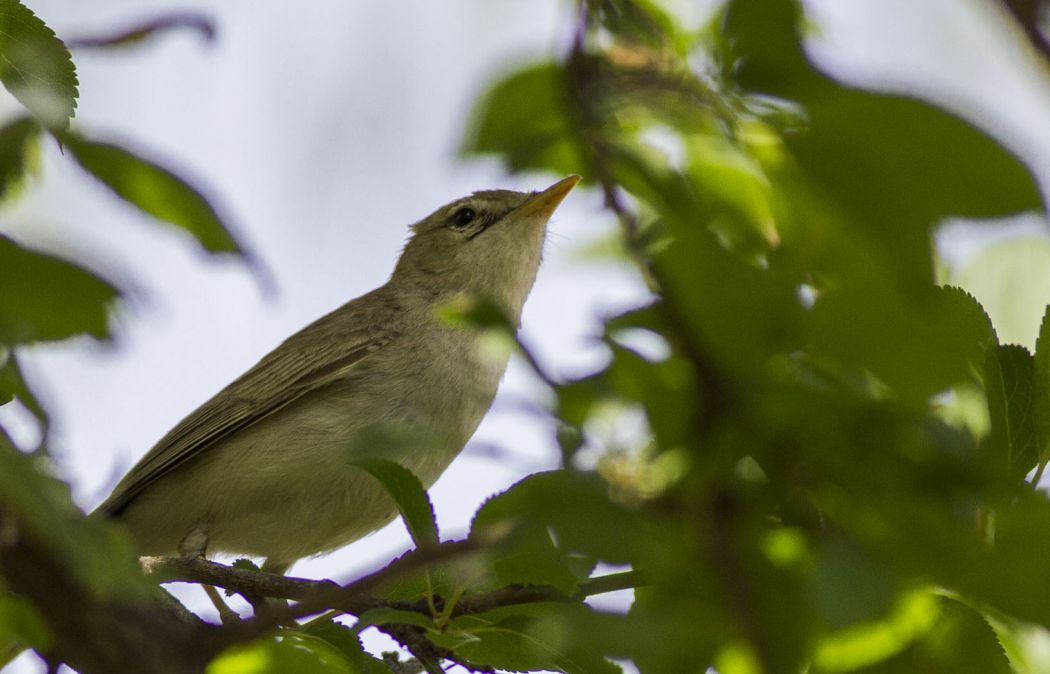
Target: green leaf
column 928, row 633
column 16, row 143
column 962, row 641
column 525, row 119
column 345, row 639
column 926, row 165
column 45, row 298
column 154, row 189
column 387, row 616
column 920, row 343
column 97, row 555
column 299, row 653
column 548, row 521
column 407, row 491
column 971, row 314
column 13, row 385
column 526, row 638
column 639, row 22
column 1041, row 389
column 1008, row 379
column 35, row 66
column 735, row 311
column 21, row 627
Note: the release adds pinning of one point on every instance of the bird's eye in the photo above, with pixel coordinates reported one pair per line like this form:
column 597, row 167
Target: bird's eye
column 464, row 217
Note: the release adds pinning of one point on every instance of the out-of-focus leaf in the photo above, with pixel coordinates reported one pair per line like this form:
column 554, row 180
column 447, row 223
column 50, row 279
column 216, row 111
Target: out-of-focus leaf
column 636, row 21
column 1011, row 448
column 298, row 653
column 16, row 143
column 722, row 170
column 527, row 637
column 20, row 627
column 850, row 587
column 927, row 164
column 347, row 642
column 918, row 343
column 1041, row 389
column 153, row 189
column 387, row 616
column 45, row 298
column 863, row 643
column 97, row 555
column 13, row 385
column 736, row 312
column 938, row 635
column 525, row 119
column 568, row 504
column 35, row 66
column 527, row 554
column 139, row 33
column 407, row 491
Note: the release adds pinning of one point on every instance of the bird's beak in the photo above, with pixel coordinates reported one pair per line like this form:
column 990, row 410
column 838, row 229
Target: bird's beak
column 543, row 203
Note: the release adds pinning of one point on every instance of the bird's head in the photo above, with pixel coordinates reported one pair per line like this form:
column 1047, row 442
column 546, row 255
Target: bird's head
column 487, row 245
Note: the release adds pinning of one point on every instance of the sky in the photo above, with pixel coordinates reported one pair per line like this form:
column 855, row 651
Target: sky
column 321, row 131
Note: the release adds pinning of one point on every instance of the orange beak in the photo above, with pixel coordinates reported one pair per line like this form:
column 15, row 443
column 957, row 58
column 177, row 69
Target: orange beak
column 543, row 203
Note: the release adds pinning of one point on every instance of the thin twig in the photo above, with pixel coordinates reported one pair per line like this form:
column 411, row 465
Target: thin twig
column 138, row 32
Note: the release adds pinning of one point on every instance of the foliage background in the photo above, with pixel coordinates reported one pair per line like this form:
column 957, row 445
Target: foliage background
column 328, row 129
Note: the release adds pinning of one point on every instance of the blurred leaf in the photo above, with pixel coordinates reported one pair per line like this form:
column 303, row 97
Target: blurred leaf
column 407, row 491
column 347, row 642
column 636, row 21
column 919, row 344
column 21, row 627
column 1041, row 389
column 850, row 587
column 525, row 118
column 45, row 298
column 297, row 653
column 720, row 169
column 16, row 143
column 527, row 554
column 979, row 178
column 737, row 312
column 35, row 66
column 1008, row 377
column 937, row 636
column 568, row 504
column 13, row 385
column 139, row 33
column 387, row 616
column 860, row 644
column 97, row 555
column 153, row 189
column 527, row 637
column 894, row 189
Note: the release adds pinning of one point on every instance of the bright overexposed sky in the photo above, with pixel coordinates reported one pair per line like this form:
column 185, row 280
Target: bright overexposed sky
column 322, row 130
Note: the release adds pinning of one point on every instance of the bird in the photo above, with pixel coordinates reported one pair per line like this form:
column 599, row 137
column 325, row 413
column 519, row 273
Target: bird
column 265, row 467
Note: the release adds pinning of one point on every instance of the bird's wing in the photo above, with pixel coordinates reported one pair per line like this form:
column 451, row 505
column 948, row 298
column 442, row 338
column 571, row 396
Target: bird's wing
column 321, row 353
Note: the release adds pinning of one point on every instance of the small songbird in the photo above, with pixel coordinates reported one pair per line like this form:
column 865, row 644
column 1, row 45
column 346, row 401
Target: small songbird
column 265, row 469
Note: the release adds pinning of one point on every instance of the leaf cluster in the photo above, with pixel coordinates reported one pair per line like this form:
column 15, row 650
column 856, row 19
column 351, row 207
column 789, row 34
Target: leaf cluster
column 839, row 469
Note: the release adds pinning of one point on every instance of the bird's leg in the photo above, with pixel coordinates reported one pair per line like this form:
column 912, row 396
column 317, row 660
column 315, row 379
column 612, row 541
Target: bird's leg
column 278, row 568
column 195, row 545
